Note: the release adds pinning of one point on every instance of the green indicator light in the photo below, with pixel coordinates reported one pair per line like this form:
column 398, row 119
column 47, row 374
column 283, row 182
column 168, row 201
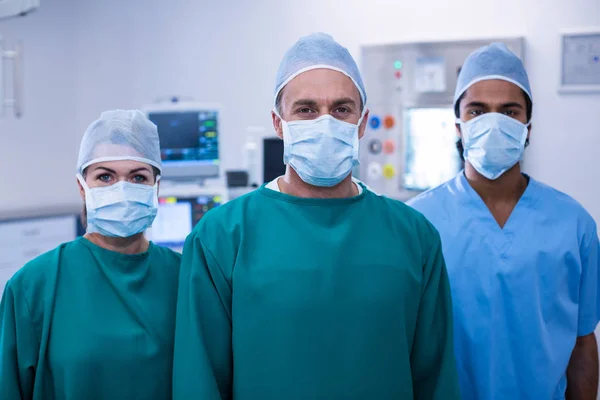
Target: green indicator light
column 398, row 64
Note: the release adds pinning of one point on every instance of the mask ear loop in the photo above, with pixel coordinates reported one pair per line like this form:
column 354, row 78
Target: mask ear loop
column 356, row 144
column 462, row 138
column 89, row 200
column 526, row 142
column 286, row 138
column 362, row 116
column 155, row 188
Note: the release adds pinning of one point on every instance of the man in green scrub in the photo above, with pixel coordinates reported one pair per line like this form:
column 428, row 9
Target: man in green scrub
column 314, row 287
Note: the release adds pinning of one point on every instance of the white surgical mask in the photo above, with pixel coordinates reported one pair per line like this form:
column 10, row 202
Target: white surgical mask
column 493, row 143
column 123, row 209
column 322, row 151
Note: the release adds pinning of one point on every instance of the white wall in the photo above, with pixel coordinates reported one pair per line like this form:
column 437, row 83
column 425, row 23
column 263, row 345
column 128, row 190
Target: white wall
column 38, row 152
column 126, row 54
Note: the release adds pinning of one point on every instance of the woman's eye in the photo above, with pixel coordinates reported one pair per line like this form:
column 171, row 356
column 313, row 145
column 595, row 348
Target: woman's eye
column 139, row 179
column 104, row 178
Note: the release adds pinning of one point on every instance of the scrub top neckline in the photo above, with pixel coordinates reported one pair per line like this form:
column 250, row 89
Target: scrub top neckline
column 312, row 201
column 526, row 201
column 116, row 254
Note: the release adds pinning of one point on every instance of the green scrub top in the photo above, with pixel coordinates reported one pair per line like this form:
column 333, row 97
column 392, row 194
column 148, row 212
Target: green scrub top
column 82, row 322
column 290, row 298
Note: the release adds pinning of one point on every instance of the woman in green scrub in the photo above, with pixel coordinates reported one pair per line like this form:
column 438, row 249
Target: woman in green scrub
column 94, row 318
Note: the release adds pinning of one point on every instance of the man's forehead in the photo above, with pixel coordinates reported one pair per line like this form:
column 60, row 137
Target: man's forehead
column 494, row 91
column 320, row 84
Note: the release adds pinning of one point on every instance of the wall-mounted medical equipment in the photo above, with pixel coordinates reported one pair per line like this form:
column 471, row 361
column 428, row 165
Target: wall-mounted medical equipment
column 180, row 208
column 238, row 184
column 11, row 70
column 273, row 166
column 22, row 240
column 580, row 61
column 15, row 8
column 410, row 141
column 237, row 178
column 189, row 139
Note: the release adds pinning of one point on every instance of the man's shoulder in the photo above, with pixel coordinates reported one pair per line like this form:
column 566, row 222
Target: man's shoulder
column 395, row 208
column 436, row 203
column 556, row 198
column 226, row 216
column 562, row 207
column 405, row 219
column 432, row 196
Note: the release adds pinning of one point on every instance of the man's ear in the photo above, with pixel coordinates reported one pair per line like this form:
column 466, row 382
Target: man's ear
column 277, row 124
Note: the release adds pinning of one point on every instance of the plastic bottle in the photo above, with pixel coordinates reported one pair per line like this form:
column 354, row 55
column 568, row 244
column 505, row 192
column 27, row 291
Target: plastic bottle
column 251, row 163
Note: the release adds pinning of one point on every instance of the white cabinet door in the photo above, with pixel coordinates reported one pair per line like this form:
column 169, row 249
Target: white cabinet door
column 22, row 241
column 21, row 233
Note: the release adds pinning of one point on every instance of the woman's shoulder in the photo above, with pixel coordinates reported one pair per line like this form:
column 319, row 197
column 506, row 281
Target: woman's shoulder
column 42, row 265
column 37, row 279
column 166, row 255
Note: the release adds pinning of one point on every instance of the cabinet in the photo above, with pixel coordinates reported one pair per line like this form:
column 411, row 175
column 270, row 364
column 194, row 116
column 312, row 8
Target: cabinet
column 21, row 241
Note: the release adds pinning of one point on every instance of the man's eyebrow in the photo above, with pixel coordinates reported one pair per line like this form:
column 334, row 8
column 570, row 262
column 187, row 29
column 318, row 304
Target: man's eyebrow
column 305, row 102
column 512, row 104
column 476, row 104
column 343, row 101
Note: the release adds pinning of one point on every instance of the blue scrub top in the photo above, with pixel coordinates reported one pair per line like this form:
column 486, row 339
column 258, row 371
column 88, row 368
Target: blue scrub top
column 522, row 294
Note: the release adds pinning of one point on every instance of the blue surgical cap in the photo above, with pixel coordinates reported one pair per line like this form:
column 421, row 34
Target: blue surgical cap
column 314, row 51
column 495, row 61
column 120, row 135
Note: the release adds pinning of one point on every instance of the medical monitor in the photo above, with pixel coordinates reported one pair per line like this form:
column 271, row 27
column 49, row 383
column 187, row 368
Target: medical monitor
column 177, row 216
column 189, row 139
column 430, row 157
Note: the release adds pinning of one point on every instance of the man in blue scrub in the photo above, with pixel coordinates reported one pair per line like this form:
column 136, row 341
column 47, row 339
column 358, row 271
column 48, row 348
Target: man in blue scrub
column 313, row 287
column 522, row 257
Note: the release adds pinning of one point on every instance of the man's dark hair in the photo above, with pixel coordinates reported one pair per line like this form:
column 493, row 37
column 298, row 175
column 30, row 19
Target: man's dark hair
column 528, row 111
